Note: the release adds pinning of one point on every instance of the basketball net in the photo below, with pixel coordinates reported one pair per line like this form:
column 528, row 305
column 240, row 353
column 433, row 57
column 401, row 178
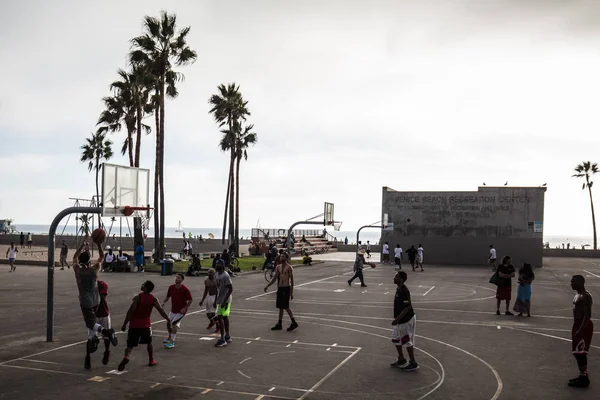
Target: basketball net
column 337, row 225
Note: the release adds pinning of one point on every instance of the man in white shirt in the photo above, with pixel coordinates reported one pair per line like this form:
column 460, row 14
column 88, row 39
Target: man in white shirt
column 11, row 253
column 492, row 259
column 420, row 257
column 386, row 253
column 109, row 261
column 398, row 257
column 368, row 249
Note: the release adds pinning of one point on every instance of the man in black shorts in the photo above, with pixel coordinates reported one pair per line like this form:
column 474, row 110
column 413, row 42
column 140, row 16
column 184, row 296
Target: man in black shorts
column 284, row 274
column 583, row 329
column 89, row 297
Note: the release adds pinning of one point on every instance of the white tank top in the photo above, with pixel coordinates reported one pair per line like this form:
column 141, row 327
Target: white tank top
column 12, row 252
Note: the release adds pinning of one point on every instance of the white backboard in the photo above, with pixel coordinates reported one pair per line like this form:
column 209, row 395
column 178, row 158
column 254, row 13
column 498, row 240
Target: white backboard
column 124, row 186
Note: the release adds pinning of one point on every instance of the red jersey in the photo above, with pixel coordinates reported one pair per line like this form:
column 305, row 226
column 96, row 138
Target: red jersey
column 141, row 315
column 102, row 310
column 178, row 297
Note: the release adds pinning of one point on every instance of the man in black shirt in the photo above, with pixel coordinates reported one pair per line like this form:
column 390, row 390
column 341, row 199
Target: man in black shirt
column 403, row 333
column 503, row 292
column 412, row 255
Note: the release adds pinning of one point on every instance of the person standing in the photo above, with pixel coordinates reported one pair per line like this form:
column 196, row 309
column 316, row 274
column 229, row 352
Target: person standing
column 583, row 329
column 22, row 237
column 139, row 257
column 358, row 267
column 29, row 239
column 412, row 255
column 284, row 274
column 398, row 256
column 368, row 249
column 523, row 302
column 503, row 292
column 138, row 317
column 224, row 291
column 64, row 251
column 403, row 332
column 386, row 253
column 181, row 298
column 86, row 276
column 11, row 253
column 210, row 289
column 420, row 252
column 492, row 258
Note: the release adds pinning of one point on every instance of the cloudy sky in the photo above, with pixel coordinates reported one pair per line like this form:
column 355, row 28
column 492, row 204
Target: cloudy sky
column 346, row 97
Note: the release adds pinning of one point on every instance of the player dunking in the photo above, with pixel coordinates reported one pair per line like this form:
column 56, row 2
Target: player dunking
column 583, row 329
column 140, row 325
column 210, row 289
column 284, row 274
column 89, row 298
column 182, row 298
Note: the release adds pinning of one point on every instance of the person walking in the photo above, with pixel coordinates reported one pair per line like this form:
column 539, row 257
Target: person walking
column 22, row 237
column 358, row 267
column 492, row 258
column 582, row 331
column 398, row 256
column 64, row 252
column 368, row 249
column 181, row 299
column 386, row 253
column 420, row 252
column 284, row 275
column 503, row 292
column 412, row 255
column 523, row 301
column 29, row 239
column 11, row 253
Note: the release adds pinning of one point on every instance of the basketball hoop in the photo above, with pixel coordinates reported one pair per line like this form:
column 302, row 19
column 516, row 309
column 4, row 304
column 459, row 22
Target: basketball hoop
column 337, row 225
column 143, row 213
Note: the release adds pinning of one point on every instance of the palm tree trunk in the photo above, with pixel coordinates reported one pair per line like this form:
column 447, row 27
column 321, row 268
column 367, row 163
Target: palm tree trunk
column 130, row 148
column 237, row 206
column 231, row 198
column 593, row 219
column 98, row 190
column 226, row 204
column 157, row 252
column 137, row 222
column 162, row 162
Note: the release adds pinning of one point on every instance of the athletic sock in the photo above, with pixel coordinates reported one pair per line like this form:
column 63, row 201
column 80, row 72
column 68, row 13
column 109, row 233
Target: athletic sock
column 173, row 336
column 98, row 327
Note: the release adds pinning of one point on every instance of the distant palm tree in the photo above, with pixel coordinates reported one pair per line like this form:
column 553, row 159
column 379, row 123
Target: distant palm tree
column 243, row 139
column 157, row 50
column 119, row 111
column 95, row 150
column 586, row 170
column 84, row 229
column 227, row 108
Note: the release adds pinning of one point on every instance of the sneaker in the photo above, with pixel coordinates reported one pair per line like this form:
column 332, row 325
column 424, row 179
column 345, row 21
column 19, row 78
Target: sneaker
column 582, row 381
column 292, row 327
column 169, row 345
column 152, row 363
column 122, row 364
column 92, row 345
column 111, row 335
column 221, row 343
column 277, row 327
column 399, row 363
column 212, row 323
column 363, row 285
column 88, row 362
column 166, row 340
column 509, row 313
column 497, row 312
column 228, row 339
column 217, row 330
column 106, row 357
column 412, row 366
column 349, row 283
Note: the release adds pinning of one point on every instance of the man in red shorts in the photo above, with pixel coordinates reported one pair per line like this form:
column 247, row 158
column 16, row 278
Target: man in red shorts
column 583, row 329
column 181, row 300
column 138, row 317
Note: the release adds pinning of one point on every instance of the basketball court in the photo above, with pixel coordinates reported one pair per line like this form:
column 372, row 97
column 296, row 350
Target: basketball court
column 341, row 350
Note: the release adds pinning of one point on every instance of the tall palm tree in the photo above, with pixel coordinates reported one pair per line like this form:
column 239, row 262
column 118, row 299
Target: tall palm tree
column 227, row 108
column 95, row 150
column 157, row 50
column 243, row 139
column 585, row 170
column 119, row 112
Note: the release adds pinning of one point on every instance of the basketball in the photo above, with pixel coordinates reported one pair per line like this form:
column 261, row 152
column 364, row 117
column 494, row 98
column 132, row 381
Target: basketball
column 98, row 235
column 373, row 265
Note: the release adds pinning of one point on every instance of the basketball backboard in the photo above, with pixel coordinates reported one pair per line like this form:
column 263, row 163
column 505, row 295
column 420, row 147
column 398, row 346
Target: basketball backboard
column 328, row 216
column 124, row 186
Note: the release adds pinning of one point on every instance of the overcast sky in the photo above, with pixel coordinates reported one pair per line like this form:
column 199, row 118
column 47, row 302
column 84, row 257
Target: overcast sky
column 346, row 97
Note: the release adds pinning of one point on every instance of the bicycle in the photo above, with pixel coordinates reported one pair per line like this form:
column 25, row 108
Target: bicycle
column 234, row 262
column 269, row 271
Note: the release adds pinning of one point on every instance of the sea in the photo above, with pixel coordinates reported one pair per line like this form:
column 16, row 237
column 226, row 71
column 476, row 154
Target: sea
column 372, row 235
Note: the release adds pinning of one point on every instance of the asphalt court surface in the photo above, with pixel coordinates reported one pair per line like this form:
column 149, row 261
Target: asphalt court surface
column 341, row 350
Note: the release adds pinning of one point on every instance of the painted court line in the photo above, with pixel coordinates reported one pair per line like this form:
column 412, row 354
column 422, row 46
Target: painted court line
column 430, row 289
column 591, row 273
column 295, row 286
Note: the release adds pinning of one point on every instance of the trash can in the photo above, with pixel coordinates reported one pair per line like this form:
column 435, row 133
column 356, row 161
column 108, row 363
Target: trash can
column 166, row 267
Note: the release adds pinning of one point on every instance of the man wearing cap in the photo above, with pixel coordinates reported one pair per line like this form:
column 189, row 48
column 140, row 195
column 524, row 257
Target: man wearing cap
column 109, row 261
column 358, row 267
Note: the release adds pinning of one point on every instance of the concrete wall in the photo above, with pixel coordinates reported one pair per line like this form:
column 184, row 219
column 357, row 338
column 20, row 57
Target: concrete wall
column 458, row 227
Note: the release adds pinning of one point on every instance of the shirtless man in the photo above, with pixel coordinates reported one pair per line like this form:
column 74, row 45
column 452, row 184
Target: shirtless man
column 89, row 297
column 284, row 274
column 583, row 329
column 210, row 290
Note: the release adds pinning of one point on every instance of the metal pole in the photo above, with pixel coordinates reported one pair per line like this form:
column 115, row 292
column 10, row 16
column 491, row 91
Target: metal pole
column 287, row 240
column 51, row 245
column 360, row 229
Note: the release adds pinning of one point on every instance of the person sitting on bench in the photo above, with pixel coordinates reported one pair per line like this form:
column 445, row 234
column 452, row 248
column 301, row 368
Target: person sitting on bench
column 110, row 261
column 122, row 261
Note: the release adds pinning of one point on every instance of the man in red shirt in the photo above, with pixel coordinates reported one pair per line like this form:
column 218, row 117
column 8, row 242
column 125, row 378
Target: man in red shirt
column 138, row 317
column 182, row 298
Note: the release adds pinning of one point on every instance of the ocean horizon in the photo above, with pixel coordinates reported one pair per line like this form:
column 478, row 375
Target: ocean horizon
column 171, row 232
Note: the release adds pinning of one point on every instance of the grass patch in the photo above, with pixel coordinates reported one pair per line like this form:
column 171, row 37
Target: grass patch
column 246, row 264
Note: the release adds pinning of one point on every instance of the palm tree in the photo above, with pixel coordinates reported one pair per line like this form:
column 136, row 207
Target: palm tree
column 119, row 111
column 157, row 50
column 585, row 170
column 96, row 149
column 243, row 139
column 227, row 108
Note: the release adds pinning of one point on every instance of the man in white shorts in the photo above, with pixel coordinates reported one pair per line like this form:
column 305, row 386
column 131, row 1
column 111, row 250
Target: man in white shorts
column 386, row 253
column 403, row 332
column 210, row 295
column 181, row 300
column 420, row 252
